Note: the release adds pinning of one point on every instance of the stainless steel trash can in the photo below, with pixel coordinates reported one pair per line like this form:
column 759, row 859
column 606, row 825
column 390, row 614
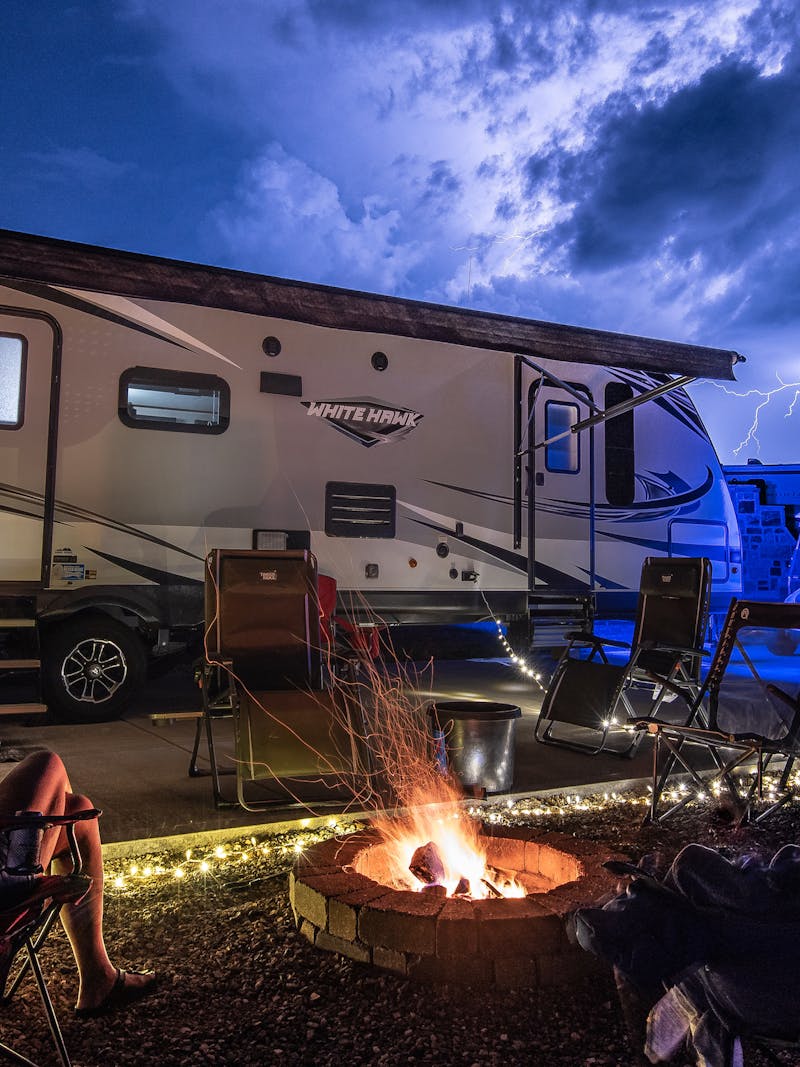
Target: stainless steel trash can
column 474, row 739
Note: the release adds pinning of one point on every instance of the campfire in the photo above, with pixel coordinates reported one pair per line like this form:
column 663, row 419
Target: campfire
column 344, row 902
column 428, row 892
column 441, row 854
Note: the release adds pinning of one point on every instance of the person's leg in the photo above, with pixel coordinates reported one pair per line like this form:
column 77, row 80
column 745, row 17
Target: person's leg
column 40, row 783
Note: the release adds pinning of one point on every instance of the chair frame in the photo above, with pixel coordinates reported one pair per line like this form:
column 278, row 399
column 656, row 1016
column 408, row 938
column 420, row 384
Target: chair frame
column 682, row 679
column 727, row 750
column 26, row 923
column 224, row 696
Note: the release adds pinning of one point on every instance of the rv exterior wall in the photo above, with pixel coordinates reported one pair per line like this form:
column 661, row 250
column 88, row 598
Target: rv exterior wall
column 138, row 506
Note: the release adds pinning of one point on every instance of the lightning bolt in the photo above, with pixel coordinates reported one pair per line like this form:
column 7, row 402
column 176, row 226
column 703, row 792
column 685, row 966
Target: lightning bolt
column 520, row 240
column 767, row 395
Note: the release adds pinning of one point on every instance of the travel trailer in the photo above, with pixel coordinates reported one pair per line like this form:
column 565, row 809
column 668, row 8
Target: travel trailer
column 442, row 464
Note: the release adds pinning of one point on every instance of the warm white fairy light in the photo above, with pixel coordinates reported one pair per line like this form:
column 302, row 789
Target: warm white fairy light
column 519, row 661
column 205, row 860
column 214, row 858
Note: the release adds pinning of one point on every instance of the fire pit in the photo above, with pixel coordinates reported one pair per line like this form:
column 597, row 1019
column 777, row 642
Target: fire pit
column 343, row 901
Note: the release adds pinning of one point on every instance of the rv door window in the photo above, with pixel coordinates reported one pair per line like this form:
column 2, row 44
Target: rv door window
column 150, row 398
column 564, row 454
column 12, row 380
column 620, row 463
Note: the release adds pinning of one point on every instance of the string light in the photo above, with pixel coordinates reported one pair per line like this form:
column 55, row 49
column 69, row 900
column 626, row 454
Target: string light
column 203, row 861
column 520, row 662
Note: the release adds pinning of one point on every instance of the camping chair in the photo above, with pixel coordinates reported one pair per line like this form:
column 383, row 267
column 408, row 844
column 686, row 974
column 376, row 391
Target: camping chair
column 748, row 721
column 29, row 905
column 580, row 705
column 347, row 646
column 263, row 668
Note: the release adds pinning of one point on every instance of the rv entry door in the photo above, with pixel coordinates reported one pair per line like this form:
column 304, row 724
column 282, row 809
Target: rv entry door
column 29, row 354
column 560, row 490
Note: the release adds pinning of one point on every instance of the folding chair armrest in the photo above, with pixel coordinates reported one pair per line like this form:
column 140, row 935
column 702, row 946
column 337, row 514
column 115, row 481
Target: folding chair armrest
column 588, row 638
column 702, row 734
column 45, row 822
column 585, row 637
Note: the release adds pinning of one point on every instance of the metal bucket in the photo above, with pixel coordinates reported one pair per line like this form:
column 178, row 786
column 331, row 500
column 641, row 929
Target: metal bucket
column 474, row 739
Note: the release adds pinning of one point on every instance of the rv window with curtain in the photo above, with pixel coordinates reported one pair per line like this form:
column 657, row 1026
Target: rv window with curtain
column 564, row 455
column 620, row 459
column 12, row 380
column 154, row 399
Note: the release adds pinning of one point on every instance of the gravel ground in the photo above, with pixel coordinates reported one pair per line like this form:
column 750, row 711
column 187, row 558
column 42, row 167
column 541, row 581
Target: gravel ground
column 240, row 986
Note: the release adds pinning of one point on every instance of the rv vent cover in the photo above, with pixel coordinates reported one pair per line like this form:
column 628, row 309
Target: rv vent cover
column 356, row 509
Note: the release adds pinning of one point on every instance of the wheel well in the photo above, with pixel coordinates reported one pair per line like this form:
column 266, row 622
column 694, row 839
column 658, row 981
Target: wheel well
column 146, row 629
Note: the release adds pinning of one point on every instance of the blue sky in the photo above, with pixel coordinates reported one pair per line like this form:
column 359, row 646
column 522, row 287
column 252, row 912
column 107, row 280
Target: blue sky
column 608, row 163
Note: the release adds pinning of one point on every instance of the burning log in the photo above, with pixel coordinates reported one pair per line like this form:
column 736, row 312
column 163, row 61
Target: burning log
column 434, row 890
column 426, row 864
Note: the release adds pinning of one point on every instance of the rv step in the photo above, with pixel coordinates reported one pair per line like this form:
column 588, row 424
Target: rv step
column 23, row 709
column 20, row 664
column 167, row 717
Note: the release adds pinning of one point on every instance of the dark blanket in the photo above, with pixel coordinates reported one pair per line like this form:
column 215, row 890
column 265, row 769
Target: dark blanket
column 722, row 937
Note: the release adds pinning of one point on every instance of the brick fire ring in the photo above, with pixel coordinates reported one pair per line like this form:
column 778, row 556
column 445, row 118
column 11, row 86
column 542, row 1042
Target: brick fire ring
column 507, row 943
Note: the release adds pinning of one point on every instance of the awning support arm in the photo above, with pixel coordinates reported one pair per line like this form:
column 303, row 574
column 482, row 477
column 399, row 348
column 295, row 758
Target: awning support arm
column 620, row 409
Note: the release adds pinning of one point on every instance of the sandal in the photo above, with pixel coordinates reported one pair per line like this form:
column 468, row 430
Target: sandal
column 121, row 994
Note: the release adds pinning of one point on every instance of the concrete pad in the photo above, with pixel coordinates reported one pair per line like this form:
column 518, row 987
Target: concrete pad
column 136, row 772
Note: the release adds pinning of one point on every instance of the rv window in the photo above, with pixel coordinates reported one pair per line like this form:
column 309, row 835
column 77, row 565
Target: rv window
column 12, row 380
column 620, row 465
column 155, row 399
column 355, row 509
column 562, row 455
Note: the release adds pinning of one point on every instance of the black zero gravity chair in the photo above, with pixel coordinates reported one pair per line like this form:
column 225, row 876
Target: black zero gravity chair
column 737, row 721
column 582, row 703
column 293, row 734
column 30, row 902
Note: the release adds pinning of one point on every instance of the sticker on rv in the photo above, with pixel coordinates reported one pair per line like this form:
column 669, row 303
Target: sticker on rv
column 69, row 572
column 366, row 420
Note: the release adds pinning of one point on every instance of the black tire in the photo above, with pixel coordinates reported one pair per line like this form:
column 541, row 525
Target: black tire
column 92, row 665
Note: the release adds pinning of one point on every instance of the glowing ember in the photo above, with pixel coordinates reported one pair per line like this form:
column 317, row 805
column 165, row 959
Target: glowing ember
column 457, row 845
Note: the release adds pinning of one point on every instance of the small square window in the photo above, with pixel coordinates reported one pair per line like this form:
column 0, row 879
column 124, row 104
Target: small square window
column 12, row 380
column 155, row 399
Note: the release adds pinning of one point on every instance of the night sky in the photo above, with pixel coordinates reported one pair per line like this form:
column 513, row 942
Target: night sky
column 614, row 164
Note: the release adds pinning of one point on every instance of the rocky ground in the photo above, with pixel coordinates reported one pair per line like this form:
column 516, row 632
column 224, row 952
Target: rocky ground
column 240, row 986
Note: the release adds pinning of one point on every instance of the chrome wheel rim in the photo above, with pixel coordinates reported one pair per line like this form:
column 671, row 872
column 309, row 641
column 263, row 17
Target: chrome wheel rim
column 94, row 670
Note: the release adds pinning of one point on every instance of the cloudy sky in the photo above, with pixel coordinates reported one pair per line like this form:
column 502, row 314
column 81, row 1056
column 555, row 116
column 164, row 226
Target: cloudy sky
column 610, row 163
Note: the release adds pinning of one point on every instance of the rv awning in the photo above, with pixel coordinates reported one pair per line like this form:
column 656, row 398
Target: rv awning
column 33, row 261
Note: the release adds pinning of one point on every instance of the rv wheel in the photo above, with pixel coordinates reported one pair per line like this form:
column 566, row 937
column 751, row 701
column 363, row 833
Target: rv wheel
column 91, row 667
